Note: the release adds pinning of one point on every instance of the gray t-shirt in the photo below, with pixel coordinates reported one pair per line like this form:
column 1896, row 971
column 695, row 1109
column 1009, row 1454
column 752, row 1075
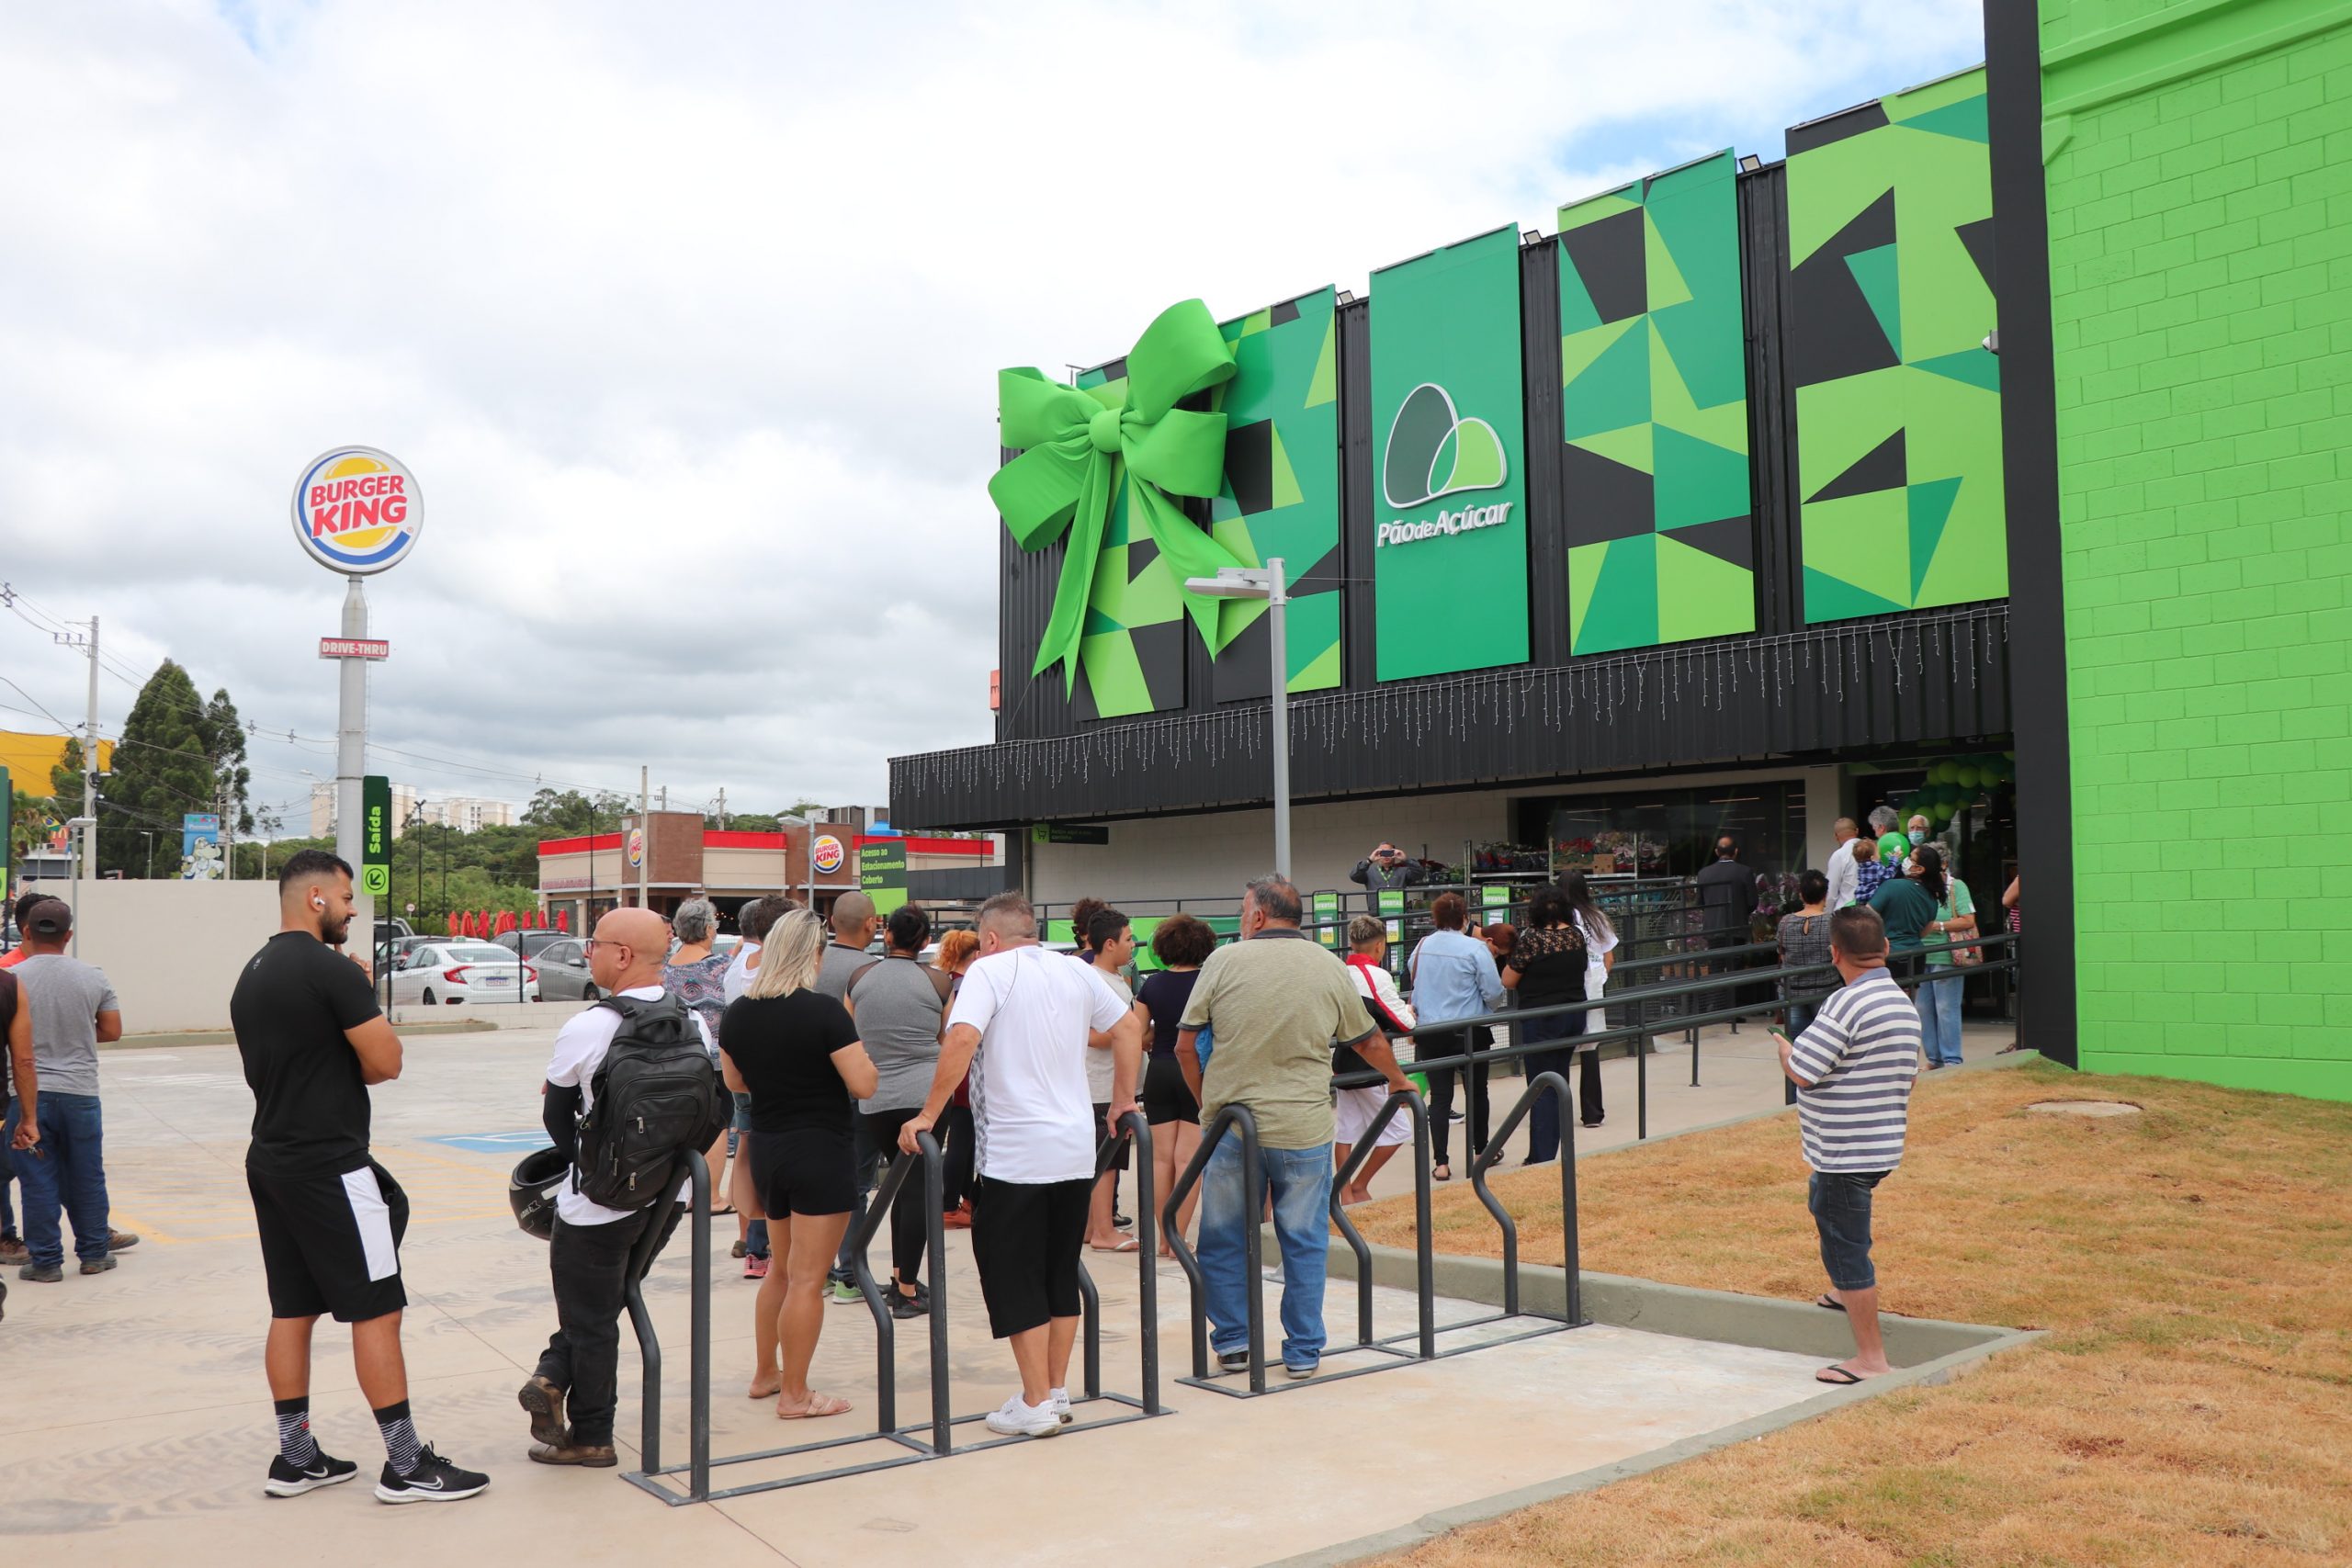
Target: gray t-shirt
column 66, row 997
column 838, row 967
column 899, row 1014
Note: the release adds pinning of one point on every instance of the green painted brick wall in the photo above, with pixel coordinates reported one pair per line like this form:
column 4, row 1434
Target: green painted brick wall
column 2199, row 175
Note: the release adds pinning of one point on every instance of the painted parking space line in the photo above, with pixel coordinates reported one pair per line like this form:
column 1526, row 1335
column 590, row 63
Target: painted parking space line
column 516, row 1143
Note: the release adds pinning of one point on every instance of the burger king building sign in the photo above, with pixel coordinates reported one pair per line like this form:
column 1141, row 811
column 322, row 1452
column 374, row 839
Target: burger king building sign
column 356, row 511
column 828, row 854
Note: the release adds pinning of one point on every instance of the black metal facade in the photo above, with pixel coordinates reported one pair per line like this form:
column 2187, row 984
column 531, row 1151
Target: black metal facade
column 1918, row 680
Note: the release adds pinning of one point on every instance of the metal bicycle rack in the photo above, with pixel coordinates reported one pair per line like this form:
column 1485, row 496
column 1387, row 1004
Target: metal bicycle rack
column 929, row 1439
column 1423, row 1335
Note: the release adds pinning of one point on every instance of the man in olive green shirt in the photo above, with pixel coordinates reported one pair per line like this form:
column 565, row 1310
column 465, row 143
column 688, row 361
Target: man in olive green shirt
column 1276, row 1004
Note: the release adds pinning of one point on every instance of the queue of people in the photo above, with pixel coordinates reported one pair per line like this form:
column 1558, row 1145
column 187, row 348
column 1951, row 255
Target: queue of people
column 811, row 1062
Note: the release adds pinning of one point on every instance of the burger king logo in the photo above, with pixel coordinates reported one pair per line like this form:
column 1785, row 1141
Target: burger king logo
column 355, row 510
column 829, row 853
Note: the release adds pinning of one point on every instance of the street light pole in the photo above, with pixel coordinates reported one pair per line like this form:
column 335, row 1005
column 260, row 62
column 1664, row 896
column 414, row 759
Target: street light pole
column 1266, row 583
column 149, row 834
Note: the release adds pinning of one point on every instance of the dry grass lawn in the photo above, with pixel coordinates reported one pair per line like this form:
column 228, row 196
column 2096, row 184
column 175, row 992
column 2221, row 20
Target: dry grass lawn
column 2191, row 1404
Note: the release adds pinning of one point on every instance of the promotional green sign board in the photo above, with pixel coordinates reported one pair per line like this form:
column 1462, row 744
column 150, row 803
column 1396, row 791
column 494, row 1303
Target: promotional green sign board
column 1327, row 917
column 1450, row 490
column 1069, row 833
column 1654, row 411
column 376, row 836
column 882, row 874
column 7, row 831
column 1494, row 898
column 1890, row 291
column 1391, row 902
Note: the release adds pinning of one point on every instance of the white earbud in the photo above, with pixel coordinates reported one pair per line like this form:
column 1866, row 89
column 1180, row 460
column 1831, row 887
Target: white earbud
column 317, row 902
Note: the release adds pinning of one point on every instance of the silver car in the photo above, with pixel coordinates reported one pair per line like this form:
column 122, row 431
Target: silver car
column 563, row 971
column 446, row 974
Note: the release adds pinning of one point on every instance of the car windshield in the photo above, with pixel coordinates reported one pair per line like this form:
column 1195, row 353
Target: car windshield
column 479, row 953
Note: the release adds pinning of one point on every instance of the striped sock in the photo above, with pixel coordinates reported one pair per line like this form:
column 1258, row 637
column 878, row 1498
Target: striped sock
column 295, row 1444
column 399, row 1437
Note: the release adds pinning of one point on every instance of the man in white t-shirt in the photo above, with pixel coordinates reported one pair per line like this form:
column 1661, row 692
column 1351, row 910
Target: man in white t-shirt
column 1020, row 1026
column 589, row 1254
column 1842, row 870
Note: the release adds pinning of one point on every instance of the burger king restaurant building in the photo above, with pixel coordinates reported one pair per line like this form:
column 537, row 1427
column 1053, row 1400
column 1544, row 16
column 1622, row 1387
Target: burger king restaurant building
column 582, row 877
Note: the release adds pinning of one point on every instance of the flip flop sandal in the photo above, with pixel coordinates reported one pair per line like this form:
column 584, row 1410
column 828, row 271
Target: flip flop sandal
column 1129, row 1244
column 1837, row 1377
column 1823, row 1301
column 820, row 1404
column 1443, row 1173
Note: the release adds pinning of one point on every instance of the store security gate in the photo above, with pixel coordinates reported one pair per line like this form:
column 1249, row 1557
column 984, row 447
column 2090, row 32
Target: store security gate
column 921, row 1441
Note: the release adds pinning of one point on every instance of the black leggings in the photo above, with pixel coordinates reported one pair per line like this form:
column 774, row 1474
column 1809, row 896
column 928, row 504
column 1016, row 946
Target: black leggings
column 955, row 1121
column 909, row 1233
column 1455, row 1043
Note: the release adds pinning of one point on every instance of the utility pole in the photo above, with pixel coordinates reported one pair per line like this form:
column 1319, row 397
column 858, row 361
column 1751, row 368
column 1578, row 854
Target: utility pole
column 665, row 797
column 89, row 818
column 722, row 808
column 645, row 840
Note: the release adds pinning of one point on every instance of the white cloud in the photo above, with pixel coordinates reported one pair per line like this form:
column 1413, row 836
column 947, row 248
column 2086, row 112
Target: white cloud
column 686, row 318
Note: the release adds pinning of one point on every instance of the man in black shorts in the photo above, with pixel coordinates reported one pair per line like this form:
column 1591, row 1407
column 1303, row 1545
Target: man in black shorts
column 1020, row 1026
column 331, row 1218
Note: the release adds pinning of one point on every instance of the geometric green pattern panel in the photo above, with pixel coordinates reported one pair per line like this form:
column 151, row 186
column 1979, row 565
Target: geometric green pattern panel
column 1658, row 503
column 1898, row 402
column 1281, row 497
column 1282, row 490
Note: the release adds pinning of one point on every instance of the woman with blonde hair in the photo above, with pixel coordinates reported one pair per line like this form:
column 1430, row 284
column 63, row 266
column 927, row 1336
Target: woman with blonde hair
column 795, row 1052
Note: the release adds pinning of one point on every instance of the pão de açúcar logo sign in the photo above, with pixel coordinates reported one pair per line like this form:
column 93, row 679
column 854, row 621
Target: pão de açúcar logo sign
column 1433, row 451
column 828, row 854
column 357, row 510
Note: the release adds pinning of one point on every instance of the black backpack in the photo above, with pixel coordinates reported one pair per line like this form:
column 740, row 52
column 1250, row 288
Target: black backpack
column 654, row 1097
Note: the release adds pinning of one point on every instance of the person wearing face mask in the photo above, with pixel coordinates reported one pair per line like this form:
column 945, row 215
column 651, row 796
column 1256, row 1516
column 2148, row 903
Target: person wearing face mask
column 1939, row 995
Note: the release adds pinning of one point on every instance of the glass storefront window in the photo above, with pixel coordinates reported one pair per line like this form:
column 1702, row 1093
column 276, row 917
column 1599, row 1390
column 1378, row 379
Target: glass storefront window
column 1672, row 832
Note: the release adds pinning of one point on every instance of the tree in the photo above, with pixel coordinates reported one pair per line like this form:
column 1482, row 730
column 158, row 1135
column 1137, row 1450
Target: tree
column 162, row 770
column 30, row 822
column 564, row 811
column 66, row 782
column 225, row 744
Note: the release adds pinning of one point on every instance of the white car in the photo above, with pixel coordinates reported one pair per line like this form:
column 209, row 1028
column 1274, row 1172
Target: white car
column 446, row 974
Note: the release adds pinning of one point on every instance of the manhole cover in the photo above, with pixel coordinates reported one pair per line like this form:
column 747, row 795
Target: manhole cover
column 2085, row 1108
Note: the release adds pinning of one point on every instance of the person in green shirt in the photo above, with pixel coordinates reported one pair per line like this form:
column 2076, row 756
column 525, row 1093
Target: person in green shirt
column 1939, row 997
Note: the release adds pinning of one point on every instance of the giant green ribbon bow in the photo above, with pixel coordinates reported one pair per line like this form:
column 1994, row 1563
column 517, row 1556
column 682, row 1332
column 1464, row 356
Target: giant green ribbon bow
column 1074, row 443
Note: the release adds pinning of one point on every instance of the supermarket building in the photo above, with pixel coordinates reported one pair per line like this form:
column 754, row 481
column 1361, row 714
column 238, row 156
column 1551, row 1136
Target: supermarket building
column 1779, row 516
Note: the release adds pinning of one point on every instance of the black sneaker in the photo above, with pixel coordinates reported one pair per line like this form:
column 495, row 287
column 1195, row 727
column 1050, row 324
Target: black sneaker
column 1233, row 1361
column 904, row 1306
column 287, row 1481
column 42, row 1273
column 435, row 1480
column 1121, row 1221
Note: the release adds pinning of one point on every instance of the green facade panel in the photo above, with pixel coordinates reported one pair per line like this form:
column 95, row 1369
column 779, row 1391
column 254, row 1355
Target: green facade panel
column 1449, row 529
column 1889, row 289
column 1657, row 501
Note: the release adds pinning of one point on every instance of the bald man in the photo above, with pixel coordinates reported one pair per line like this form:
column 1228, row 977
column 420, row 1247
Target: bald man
column 589, row 1254
column 330, row 1218
column 853, row 924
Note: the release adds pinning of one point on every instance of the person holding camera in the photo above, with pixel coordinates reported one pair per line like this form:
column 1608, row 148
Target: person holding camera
column 1385, row 870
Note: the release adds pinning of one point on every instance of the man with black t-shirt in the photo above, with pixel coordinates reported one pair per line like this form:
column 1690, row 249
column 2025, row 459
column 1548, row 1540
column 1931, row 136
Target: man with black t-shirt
column 330, row 1217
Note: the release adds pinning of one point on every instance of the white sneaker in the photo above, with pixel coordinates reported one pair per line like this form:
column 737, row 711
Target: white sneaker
column 1016, row 1418
column 1061, row 1407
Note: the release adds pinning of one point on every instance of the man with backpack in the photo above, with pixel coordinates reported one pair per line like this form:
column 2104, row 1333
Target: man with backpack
column 630, row 1091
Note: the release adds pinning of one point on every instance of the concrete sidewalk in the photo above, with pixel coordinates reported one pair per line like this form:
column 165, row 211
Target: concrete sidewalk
column 136, row 1421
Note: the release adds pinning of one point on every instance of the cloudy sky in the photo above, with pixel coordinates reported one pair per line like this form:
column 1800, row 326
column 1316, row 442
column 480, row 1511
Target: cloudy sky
column 686, row 319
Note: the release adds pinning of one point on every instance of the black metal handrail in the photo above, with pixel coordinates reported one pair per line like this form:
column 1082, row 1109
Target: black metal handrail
column 648, row 1344
column 1413, row 1105
column 1254, row 1198
column 1487, row 1158
column 869, row 1224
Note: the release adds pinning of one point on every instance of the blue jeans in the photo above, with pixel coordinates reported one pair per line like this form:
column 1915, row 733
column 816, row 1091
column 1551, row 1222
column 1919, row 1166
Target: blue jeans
column 66, row 1169
column 1939, row 1003
column 1543, row 1116
column 1300, row 1180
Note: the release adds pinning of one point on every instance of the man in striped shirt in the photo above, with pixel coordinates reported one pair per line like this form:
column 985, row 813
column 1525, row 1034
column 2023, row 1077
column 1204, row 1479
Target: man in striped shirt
column 1854, row 1067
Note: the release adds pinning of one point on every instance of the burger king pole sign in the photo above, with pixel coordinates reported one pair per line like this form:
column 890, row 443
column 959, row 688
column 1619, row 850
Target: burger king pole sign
column 357, row 512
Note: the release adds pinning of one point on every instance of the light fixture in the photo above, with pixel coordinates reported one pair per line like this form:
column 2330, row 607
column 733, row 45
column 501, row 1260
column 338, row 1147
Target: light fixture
column 1749, row 162
column 1265, row 582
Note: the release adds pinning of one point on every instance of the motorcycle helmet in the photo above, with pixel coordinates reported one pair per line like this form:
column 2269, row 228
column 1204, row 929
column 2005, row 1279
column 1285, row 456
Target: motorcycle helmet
column 530, row 1190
